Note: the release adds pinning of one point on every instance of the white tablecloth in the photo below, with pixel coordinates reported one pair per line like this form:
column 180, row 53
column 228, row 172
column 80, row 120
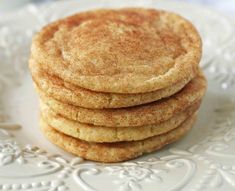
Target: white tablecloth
column 227, row 7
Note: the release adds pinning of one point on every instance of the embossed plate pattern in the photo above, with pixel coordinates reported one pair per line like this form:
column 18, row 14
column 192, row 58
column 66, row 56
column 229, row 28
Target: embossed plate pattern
column 202, row 160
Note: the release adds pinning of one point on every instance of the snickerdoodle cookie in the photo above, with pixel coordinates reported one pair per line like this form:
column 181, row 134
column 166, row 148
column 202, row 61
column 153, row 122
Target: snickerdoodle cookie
column 131, row 50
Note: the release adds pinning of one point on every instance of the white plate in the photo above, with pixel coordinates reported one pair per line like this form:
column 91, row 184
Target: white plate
column 202, row 160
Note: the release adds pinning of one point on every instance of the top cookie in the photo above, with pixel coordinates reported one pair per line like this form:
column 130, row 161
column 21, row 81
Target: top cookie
column 121, row 51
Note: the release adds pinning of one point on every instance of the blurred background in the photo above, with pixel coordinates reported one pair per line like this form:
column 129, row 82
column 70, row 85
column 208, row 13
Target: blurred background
column 225, row 6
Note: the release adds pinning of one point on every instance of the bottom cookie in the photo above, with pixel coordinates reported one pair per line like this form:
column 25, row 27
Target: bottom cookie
column 114, row 152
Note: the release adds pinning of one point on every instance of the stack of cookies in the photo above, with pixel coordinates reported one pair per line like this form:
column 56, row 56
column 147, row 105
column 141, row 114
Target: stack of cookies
column 115, row 84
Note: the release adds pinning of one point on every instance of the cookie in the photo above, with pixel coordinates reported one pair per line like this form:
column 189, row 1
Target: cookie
column 66, row 92
column 114, row 152
column 131, row 50
column 93, row 133
column 147, row 114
